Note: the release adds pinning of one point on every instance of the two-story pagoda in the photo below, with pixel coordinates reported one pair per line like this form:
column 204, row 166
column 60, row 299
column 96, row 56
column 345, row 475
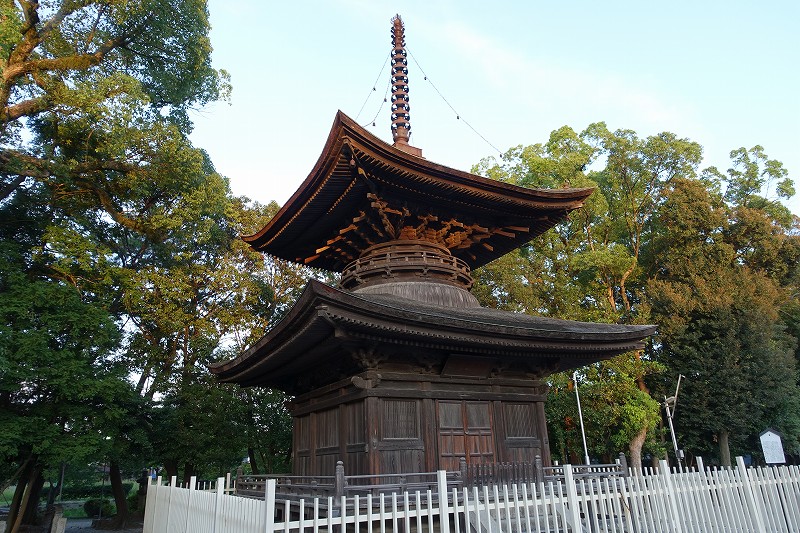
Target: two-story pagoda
column 398, row 368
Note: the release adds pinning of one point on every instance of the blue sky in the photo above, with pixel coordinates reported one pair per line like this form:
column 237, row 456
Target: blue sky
column 724, row 74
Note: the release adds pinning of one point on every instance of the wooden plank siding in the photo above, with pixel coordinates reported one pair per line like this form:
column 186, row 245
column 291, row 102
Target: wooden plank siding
column 407, row 422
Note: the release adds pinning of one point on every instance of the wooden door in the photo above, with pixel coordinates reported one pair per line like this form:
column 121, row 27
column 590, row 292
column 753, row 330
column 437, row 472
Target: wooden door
column 400, row 447
column 465, row 430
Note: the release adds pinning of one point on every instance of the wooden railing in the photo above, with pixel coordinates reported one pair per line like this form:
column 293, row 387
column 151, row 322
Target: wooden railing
column 468, row 475
column 340, row 484
column 617, row 469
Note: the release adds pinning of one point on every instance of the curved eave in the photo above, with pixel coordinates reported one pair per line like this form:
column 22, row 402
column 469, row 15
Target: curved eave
column 408, row 174
column 324, row 316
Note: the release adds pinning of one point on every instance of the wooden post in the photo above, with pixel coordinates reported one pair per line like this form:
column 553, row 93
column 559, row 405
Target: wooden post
column 444, row 507
column 623, row 464
column 539, row 469
column 462, row 466
column 339, row 481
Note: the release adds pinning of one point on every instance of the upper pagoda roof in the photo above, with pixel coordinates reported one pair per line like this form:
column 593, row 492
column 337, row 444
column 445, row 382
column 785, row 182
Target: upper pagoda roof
column 313, row 337
column 363, row 191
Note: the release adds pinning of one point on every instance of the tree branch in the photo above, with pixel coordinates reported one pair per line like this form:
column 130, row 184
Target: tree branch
column 30, row 107
column 8, row 188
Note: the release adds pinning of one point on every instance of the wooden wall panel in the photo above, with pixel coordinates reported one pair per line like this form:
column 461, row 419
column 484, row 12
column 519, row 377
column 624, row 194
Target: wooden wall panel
column 401, row 419
column 327, row 429
column 400, row 461
column 355, row 427
column 354, row 438
column 301, row 446
column 400, row 446
column 520, row 420
column 327, row 449
column 523, row 438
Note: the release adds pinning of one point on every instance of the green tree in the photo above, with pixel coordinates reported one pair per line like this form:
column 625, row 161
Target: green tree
column 100, row 85
column 94, row 156
column 588, row 268
column 717, row 303
column 57, row 379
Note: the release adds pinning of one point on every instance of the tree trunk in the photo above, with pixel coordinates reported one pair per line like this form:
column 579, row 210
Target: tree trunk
column 172, row 468
column 28, row 485
column 19, row 491
column 188, row 472
column 635, row 448
column 724, row 448
column 31, row 515
column 120, row 498
column 251, row 453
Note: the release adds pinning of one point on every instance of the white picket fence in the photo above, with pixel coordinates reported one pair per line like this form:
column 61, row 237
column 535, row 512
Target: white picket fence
column 740, row 499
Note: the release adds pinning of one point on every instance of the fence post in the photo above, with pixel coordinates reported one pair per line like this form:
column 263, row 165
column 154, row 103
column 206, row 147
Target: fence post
column 339, row 481
column 151, row 505
column 539, row 469
column 663, row 466
column 623, row 464
column 215, row 526
column 462, row 467
column 444, row 507
column 572, row 498
column 269, row 507
column 755, row 510
column 192, row 485
column 173, row 482
column 700, row 466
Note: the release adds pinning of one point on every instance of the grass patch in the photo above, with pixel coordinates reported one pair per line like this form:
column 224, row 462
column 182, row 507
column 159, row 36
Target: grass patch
column 75, row 512
column 5, row 498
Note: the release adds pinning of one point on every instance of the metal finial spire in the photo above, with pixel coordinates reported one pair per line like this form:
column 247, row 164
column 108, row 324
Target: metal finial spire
column 401, row 119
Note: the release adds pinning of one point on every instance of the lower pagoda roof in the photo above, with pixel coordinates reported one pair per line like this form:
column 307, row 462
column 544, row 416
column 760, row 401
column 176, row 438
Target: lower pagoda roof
column 327, row 323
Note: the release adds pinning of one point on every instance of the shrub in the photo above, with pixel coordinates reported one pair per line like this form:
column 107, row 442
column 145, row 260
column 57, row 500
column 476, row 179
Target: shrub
column 88, row 490
column 92, row 507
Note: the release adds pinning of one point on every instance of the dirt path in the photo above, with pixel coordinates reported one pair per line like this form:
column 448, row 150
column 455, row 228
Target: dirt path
column 83, row 525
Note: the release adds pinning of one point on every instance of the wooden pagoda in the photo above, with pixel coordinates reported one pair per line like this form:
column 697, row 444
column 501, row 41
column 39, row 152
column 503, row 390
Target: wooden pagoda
column 398, row 369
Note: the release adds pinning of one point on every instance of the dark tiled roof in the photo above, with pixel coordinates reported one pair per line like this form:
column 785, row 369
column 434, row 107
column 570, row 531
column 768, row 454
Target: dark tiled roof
column 323, row 314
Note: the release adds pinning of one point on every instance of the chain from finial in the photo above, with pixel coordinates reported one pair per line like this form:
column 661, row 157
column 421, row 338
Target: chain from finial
column 401, row 118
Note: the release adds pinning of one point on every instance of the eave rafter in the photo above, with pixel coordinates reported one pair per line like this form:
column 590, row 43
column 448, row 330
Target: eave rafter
column 382, row 220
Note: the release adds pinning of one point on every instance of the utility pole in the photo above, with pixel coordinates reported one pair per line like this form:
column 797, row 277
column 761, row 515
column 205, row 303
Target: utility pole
column 580, row 416
column 670, row 404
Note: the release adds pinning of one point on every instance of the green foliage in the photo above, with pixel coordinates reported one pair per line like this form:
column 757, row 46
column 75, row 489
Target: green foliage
column 119, row 253
column 96, row 491
column 717, row 298
column 57, row 375
column 95, row 508
column 269, row 429
column 705, row 255
column 748, row 182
